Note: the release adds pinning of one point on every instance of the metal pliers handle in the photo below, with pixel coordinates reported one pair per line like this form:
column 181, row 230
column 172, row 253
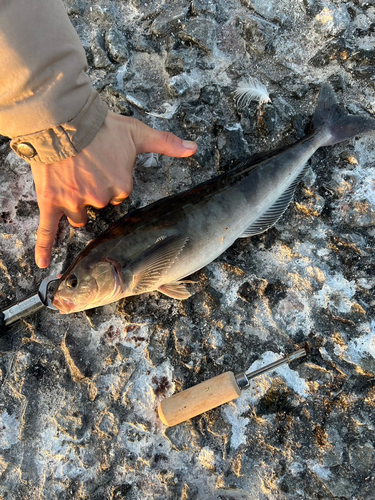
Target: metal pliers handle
column 30, row 305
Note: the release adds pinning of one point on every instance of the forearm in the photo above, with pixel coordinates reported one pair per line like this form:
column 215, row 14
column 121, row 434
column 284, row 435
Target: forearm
column 46, row 98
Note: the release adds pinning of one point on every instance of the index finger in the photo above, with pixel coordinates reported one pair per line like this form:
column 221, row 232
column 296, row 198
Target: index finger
column 149, row 140
column 48, row 224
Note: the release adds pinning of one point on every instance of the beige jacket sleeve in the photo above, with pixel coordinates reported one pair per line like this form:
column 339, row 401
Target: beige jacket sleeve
column 47, row 105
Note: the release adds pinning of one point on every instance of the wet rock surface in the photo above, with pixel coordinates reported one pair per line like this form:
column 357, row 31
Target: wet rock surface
column 79, row 393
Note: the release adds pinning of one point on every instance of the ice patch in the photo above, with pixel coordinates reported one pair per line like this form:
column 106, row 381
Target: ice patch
column 134, row 101
column 170, row 110
column 336, row 293
column 292, row 379
column 215, row 339
column 227, row 285
column 367, row 189
column 117, row 330
column 10, row 427
column 138, row 438
column 149, row 159
column 324, row 354
column 15, row 187
column 365, row 171
column 359, row 348
column 363, row 345
column 258, row 388
column 207, row 458
column 333, row 19
column 238, row 425
column 260, row 385
column 296, row 468
column 146, row 391
column 17, row 165
column 322, row 472
column 231, row 128
column 121, row 72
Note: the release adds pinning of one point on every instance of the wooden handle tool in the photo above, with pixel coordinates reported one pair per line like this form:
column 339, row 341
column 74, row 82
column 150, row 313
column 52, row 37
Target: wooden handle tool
column 212, row 393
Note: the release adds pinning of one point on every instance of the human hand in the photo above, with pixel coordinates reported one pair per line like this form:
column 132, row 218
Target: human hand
column 99, row 174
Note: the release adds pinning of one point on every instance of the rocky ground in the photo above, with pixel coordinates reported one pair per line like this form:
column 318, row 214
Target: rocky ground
column 79, row 393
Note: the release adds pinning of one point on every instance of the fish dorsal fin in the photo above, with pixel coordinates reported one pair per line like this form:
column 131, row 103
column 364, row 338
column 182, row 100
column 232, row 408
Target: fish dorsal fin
column 150, row 265
column 176, row 290
column 273, row 214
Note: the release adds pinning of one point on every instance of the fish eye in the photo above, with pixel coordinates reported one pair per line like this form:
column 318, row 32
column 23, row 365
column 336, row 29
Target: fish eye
column 71, row 281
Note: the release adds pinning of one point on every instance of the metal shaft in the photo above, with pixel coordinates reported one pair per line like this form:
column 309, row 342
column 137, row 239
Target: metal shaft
column 22, row 309
column 30, row 305
column 243, row 378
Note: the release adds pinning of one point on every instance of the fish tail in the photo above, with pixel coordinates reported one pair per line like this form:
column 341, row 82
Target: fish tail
column 332, row 115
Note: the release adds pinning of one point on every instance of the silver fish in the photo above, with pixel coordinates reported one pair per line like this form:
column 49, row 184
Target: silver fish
column 155, row 247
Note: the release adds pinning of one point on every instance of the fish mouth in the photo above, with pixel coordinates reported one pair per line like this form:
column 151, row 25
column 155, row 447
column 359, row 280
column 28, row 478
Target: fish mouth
column 65, row 306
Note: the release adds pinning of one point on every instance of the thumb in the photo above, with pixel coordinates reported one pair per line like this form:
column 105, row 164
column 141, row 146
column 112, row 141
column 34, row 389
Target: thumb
column 47, row 230
column 150, row 140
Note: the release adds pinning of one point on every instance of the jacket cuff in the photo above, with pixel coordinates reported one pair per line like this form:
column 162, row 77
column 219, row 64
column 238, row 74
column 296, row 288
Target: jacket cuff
column 63, row 141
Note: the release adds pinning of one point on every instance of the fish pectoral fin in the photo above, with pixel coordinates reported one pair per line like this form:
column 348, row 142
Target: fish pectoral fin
column 273, row 214
column 154, row 261
column 176, row 290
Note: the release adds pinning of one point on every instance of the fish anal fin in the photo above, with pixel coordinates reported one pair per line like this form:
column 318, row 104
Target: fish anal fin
column 273, row 214
column 147, row 269
column 176, row 290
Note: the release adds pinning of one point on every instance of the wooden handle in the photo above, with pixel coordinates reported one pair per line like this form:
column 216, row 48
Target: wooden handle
column 198, row 399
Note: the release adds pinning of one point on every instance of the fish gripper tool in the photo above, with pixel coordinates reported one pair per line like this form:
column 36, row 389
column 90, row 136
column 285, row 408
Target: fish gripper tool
column 29, row 305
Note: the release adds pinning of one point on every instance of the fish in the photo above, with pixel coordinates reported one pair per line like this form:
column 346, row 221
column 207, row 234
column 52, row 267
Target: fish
column 154, row 248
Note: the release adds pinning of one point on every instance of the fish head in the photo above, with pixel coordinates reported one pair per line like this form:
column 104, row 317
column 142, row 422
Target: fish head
column 87, row 285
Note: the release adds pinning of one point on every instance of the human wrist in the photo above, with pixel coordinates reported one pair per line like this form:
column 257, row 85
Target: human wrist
column 65, row 140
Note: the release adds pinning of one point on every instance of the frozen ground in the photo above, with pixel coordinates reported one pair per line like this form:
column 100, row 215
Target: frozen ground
column 79, row 393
